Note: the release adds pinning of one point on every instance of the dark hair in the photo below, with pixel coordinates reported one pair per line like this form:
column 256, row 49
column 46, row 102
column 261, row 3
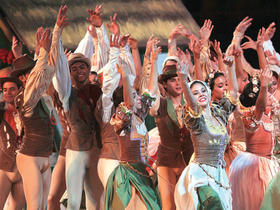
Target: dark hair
column 211, row 81
column 274, row 74
column 248, row 97
column 118, row 96
column 196, row 82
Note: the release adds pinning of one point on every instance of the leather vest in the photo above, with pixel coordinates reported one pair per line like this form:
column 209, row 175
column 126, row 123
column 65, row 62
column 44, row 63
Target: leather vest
column 9, row 144
column 83, row 126
column 110, row 145
column 175, row 149
column 38, row 131
column 134, row 144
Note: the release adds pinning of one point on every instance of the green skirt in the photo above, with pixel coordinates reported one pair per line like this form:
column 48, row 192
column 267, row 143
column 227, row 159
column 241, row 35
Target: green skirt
column 271, row 199
column 118, row 189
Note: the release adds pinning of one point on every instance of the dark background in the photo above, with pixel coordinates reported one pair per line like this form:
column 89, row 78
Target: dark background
column 226, row 14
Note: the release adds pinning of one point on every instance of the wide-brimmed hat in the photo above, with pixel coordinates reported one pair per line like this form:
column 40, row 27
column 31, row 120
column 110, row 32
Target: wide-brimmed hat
column 22, row 65
column 167, row 73
column 5, row 72
column 78, row 57
column 11, row 79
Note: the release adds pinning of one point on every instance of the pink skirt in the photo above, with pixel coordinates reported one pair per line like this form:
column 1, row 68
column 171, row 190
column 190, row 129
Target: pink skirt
column 249, row 176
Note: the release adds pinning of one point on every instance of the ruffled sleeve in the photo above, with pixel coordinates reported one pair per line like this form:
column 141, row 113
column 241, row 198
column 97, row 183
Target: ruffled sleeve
column 193, row 120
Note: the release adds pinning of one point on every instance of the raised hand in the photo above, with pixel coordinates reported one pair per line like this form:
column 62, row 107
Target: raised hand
column 217, row 48
column 114, row 40
column 228, row 61
column 46, row 40
column 92, row 31
column 206, row 30
column 176, row 32
column 123, row 39
column 197, row 46
column 133, row 43
column 114, row 27
column 155, row 52
column 265, row 77
column 251, row 44
column 67, row 52
column 38, row 37
column 62, row 19
column 269, row 32
column 243, row 25
column 16, row 48
column 272, row 59
column 95, row 18
column 260, row 38
column 191, row 42
column 151, row 42
column 184, row 62
column 236, row 52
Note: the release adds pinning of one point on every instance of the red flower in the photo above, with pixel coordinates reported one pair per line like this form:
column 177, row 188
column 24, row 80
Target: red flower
column 6, row 56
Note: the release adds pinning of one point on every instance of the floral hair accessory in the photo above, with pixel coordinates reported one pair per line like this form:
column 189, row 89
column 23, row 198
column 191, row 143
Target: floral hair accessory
column 125, row 110
column 148, row 98
column 255, row 82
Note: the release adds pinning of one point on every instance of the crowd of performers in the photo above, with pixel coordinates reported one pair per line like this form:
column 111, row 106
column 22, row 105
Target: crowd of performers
column 217, row 122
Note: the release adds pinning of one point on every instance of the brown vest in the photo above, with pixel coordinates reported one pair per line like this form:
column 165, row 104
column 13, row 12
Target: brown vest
column 9, row 144
column 134, row 145
column 110, row 145
column 175, row 149
column 83, row 125
column 38, row 131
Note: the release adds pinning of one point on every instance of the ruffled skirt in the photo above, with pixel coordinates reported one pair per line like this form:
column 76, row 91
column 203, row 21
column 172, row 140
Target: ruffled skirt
column 195, row 176
column 249, row 176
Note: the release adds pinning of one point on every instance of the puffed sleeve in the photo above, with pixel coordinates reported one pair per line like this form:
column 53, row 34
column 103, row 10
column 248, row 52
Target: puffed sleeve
column 193, row 120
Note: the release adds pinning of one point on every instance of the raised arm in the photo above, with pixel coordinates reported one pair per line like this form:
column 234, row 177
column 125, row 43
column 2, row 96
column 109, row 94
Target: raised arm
column 101, row 42
column 111, row 78
column 16, row 47
column 233, row 85
column 61, row 79
column 152, row 85
column 191, row 102
column 124, row 70
column 217, row 48
column 266, row 75
column 196, row 56
column 260, row 50
column 133, row 44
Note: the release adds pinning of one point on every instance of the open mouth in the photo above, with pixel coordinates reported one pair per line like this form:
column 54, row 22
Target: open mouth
column 202, row 99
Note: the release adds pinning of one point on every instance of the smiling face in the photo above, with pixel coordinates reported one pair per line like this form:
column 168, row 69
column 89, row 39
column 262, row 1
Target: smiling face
column 220, row 86
column 200, row 93
column 79, row 72
column 10, row 90
column 173, row 86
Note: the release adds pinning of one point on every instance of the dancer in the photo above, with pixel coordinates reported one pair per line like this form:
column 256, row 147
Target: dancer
column 175, row 149
column 33, row 157
column 204, row 183
column 11, row 133
column 129, row 186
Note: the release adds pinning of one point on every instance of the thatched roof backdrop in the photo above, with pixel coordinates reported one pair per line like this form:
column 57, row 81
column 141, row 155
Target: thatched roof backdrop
column 140, row 18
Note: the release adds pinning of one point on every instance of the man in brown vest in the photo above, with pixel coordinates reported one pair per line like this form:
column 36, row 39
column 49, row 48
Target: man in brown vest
column 175, row 148
column 10, row 138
